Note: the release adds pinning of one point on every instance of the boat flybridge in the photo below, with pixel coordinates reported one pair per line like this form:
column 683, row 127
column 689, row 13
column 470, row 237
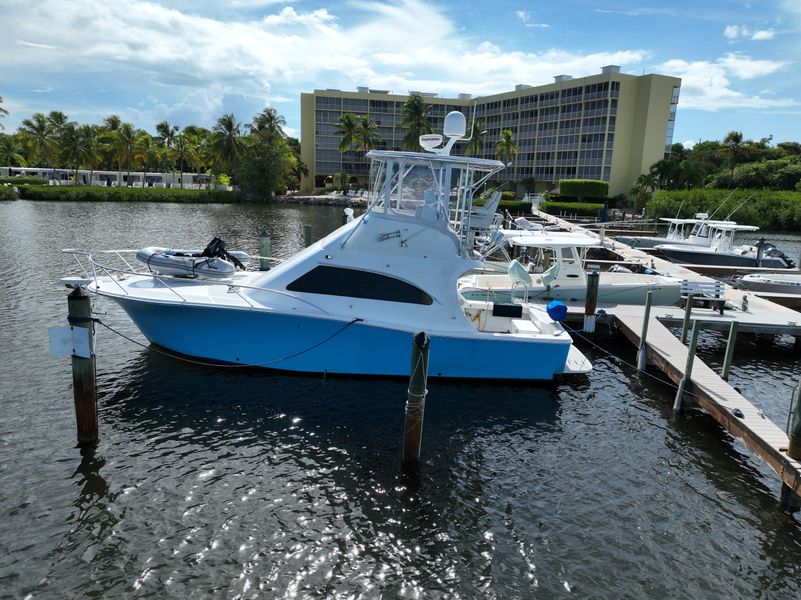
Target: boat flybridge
column 351, row 302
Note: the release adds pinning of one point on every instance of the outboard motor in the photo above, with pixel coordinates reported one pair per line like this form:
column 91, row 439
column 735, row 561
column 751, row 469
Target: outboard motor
column 769, row 249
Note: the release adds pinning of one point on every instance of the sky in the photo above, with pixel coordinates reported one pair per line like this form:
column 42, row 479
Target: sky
column 191, row 61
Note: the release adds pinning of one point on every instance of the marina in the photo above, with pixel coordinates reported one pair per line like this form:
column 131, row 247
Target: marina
column 230, row 479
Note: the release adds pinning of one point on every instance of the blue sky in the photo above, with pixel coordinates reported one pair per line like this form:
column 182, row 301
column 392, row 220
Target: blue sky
column 191, row 61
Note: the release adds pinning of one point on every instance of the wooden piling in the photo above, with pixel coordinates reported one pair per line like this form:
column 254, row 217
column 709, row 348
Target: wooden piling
column 642, row 354
column 688, row 369
column 591, row 301
column 415, row 402
column 308, row 235
column 729, row 351
column 264, row 250
column 84, row 382
column 686, row 324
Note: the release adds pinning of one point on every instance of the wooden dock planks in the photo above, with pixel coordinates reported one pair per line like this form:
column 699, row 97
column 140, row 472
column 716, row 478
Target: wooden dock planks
column 717, row 397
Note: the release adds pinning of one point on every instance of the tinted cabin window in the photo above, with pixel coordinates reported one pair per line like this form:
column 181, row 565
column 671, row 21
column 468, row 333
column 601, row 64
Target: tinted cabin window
column 336, row 281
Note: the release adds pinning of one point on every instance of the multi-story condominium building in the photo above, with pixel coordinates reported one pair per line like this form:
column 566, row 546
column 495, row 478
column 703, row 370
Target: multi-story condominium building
column 611, row 126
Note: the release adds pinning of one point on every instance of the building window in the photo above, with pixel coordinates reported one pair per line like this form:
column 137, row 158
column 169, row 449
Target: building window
column 352, row 283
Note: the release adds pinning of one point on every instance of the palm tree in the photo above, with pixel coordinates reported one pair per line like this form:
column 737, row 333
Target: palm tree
column 73, row 147
column 39, row 138
column 166, row 134
column 91, row 142
column 643, row 188
column 733, row 148
column 181, row 150
column 268, row 122
column 112, row 122
column 227, row 140
column 125, row 142
column 346, row 127
column 366, row 133
column 3, row 113
column 414, row 113
column 10, row 151
column 476, row 143
column 145, row 152
column 666, row 172
column 506, row 150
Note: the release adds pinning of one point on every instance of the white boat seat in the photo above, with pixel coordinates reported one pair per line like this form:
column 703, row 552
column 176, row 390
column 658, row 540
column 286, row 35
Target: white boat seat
column 517, row 272
column 549, row 274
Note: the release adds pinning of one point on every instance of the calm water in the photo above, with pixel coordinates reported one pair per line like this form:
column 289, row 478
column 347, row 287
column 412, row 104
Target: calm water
column 219, row 483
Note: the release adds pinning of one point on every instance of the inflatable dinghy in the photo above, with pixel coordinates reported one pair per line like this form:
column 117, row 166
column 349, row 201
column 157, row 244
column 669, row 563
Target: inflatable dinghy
column 214, row 262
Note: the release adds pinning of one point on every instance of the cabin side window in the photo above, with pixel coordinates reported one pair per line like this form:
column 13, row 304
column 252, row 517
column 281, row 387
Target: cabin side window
column 336, row 281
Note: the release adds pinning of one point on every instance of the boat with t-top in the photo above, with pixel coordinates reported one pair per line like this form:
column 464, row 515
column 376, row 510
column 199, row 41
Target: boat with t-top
column 351, row 302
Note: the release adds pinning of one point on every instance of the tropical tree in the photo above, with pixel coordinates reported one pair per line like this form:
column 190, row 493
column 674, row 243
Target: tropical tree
column 415, row 117
column 268, row 122
column 72, row 147
column 227, row 141
column 733, row 148
column 346, row 127
column 125, row 143
column 3, row 113
column 39, row 138
column 10, row 151
column 666, row 172
column 506, row 150
column 366, row 134
column 476, row 143
column 92, row 145
column 112, row 122
column 181, row 150
column 643, row 188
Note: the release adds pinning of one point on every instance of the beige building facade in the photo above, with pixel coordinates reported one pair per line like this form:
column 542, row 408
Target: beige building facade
column 611, row 126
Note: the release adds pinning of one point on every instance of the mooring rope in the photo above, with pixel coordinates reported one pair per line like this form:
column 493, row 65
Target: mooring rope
column 225, row 365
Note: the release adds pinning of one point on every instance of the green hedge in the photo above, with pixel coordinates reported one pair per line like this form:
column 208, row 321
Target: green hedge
column 583, row 188
column 764, row 208
column 23, row 180
column 107, row 194
column 508, row 196
column 7, row 193
column 583, row 209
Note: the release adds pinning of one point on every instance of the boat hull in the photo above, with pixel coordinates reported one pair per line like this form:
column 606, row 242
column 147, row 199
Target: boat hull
column 711, row 257
column 662, row 295
column 788, row 284
column 320, row 345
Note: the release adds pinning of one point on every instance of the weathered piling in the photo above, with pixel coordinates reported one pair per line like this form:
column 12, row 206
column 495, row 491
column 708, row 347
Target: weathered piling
column 84, row 383
column 790, row 501
column 642, row 354
column 686, row 323
column 415, row 402
column 729, row 351
column 264, row 250
column 591, row 301
column 688, row 369
column 308, row 235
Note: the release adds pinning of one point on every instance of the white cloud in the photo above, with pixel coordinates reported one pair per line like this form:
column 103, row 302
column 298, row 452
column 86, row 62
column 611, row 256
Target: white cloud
column 35, row 45
column 525, row 17
column 735, row 32
column 708, row 85
column 688, row 144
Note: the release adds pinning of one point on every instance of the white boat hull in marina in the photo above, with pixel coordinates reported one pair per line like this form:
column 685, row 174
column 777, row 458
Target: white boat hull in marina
column 613, row 288
column 781, row 283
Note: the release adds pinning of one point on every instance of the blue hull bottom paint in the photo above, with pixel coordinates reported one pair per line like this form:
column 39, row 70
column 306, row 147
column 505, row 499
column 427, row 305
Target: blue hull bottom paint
column 318, row 345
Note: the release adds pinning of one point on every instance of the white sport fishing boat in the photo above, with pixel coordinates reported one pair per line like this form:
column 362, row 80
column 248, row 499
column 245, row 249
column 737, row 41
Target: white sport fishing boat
column 723, row 252
column 699, row 234
column 563, row 277
column 351, row 302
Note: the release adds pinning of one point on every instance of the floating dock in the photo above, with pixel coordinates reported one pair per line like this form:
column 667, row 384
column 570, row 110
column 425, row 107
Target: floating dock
column 751, row 312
